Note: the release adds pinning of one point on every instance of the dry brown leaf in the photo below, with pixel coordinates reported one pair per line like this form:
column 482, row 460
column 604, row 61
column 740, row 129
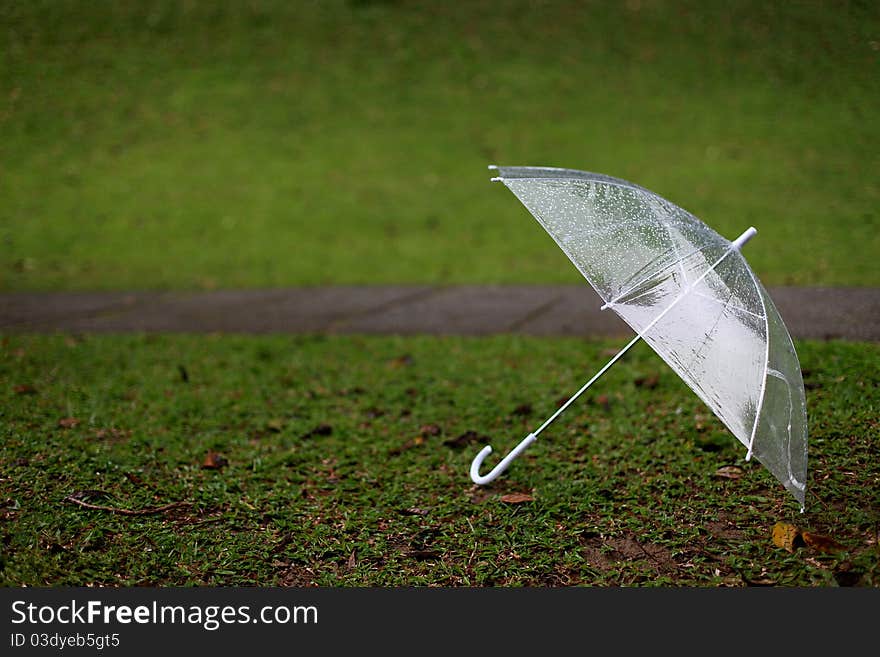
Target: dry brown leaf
column 821, row 543
column 68, row 422
column 786, row 536
column 414, row 511
column 429, row 430
column 401, row 361
column 517, row 498
column 214, row 461
column 523, row 410
column 24, row 389
column 761, row 581
column 729, row 472
column 320, row 430
column 649, row 382
column 467, row 438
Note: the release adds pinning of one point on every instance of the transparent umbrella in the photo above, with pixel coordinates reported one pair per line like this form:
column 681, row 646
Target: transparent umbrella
column 686, row 291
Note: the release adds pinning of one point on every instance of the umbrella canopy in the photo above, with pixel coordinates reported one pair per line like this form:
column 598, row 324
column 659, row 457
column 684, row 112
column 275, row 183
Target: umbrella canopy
column 691, row 295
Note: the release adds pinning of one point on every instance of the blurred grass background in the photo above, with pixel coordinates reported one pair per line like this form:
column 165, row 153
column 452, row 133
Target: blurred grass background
column 198, row 145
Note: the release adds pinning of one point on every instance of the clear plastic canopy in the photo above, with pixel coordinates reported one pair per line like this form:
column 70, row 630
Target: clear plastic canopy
column 717, row 329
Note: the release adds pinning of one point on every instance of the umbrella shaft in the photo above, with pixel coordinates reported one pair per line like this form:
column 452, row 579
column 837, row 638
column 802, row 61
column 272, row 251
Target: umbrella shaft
column 735, row 246
column 596, row 376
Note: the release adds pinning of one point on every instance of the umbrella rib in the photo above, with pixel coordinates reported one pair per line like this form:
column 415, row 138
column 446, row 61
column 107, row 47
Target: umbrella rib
column 791, row 478
column 766, row 366
column 666, row 266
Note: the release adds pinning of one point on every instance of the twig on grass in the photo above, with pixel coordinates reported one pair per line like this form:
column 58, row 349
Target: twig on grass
column 126, row 512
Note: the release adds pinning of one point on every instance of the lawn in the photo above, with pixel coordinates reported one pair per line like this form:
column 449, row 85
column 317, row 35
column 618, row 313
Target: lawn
column 342, row 461
column 200, row 145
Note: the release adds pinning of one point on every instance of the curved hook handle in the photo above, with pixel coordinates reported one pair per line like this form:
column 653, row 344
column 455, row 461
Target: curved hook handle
column 502, row 466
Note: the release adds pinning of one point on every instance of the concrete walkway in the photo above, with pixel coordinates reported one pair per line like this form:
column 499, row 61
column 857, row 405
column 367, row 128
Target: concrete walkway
column 818, row 313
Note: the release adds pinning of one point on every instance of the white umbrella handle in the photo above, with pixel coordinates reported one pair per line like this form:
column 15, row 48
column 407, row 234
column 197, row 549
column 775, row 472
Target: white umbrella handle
column 502, row 466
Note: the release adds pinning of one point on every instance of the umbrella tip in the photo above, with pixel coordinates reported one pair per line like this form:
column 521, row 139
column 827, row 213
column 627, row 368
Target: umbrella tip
column 740, row 241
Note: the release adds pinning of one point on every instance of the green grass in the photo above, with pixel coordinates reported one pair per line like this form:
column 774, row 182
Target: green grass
column 196, row 145
column 339, row 471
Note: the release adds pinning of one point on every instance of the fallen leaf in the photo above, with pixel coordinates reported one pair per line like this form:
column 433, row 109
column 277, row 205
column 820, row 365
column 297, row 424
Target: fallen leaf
column 24, row 389
column 68, row 422
column 604, row 402
column 429, row 430
column 516, row 498
column 821, row 543
column 729, row 472
column 523, row 410
column 786, row 536
column 214, row 461
column 414, row 511
column 409, row 444
column 275, row 425
column 401, row 361
column 320, row 430
column 90, row 494
column 649, row 382
column 352, row 560
column 467, row 438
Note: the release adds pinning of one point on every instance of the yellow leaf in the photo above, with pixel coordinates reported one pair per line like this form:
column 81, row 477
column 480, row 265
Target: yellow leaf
column 785, row 535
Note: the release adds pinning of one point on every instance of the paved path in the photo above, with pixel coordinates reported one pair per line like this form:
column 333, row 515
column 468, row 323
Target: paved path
column 820, row 313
